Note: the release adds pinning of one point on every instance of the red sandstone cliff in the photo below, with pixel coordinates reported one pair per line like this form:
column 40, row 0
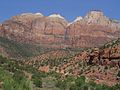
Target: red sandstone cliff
column 94, row 29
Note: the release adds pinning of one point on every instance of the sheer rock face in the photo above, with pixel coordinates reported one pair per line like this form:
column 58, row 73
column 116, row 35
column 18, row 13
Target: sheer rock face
column 92, row 30
column 32, row 28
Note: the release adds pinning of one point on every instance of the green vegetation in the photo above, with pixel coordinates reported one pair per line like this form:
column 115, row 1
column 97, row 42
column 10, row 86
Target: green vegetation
column 13, row 78
column 37, row 80
column 112, row 43
column 19, row 50
column 14, row 82
column 80, row 83
column 118, row 74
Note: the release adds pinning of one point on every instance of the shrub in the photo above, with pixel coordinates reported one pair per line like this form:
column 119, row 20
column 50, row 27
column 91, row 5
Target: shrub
column 80, row 81
column 118, row 74
column 61, row 84
column 36, row 78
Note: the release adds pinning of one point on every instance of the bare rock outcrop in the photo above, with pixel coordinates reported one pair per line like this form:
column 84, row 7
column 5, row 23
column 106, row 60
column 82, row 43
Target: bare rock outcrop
column 94, row 29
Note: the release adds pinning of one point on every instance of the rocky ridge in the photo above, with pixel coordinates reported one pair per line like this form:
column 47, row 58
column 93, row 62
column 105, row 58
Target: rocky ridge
column 93, row 30
column 99, row 64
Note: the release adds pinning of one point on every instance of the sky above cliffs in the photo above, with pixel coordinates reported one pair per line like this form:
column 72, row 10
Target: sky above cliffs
column 70, row 9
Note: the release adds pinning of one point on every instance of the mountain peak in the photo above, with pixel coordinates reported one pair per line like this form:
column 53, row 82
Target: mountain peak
column 38, row 14
column 56, row 16
column 94, row 14
column 78, row 19
column 95, row 11
column 92, row 30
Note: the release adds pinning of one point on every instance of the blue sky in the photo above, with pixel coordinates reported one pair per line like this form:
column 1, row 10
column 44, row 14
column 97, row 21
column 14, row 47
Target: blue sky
column 70, row 9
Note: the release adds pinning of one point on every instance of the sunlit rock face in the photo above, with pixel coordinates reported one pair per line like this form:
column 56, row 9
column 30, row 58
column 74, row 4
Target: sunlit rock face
column 94, row 29
column 35, row 28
